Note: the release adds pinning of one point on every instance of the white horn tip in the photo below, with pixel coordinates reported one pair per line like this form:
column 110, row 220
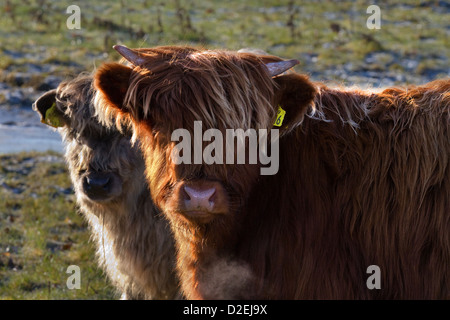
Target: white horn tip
column 120, row 48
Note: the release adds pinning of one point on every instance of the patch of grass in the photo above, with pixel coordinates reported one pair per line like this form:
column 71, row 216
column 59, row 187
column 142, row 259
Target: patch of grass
column 360, row 47
column 41, row 233
column 285, row 28
column 430, row 65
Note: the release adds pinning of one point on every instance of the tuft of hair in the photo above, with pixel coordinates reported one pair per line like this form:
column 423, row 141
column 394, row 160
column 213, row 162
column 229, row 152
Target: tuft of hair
column 216, row 86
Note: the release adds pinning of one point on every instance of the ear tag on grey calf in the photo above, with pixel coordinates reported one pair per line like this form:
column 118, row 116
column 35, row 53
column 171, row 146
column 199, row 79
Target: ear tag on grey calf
column 52, row 117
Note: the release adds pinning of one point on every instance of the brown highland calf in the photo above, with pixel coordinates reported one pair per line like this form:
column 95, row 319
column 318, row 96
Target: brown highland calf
column 363, row 179
column 134, row 243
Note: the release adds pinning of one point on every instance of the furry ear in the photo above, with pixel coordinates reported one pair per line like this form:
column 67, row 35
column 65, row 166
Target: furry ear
column 295, row 93
column 112, row 80
column 45, row 105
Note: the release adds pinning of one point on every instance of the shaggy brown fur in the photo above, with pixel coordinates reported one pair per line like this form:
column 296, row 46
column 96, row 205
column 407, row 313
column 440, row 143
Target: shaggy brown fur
column 366, row 183
column 364, row 178
column 134, row 243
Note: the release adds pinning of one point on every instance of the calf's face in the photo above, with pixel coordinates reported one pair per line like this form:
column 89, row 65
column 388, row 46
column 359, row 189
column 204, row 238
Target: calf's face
column 103, row 164
column 171, row 88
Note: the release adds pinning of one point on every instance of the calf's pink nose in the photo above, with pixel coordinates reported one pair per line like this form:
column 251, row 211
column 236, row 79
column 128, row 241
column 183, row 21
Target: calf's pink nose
column 199, row 198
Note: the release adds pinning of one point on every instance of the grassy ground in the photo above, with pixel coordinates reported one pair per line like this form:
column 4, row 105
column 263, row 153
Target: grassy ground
column 41, row 233
column 334, row 32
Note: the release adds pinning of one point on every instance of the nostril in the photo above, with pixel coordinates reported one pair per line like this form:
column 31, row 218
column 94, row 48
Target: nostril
column 212, row 198
column 186, row 195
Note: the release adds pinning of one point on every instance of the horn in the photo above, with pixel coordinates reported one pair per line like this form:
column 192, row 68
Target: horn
column 277, row 68
column 129, row 54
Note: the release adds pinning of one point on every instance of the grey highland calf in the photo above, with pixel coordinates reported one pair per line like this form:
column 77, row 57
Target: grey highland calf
column 134, row 243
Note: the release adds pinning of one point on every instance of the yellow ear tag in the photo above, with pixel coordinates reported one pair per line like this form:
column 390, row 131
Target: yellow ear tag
column 52, row 117
column 280, row 117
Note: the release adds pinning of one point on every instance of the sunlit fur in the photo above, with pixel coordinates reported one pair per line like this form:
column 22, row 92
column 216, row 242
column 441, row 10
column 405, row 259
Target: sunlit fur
column 134, row 243
column 367, row 184
column 364, row 179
